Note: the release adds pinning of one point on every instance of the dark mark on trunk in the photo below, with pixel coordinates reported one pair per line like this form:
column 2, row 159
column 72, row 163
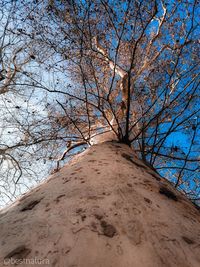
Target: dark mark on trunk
column 98, row 216
column 18, row 253
column 129, row 158
column 188, row 240
column 108, row 229
column 31, row 205
column 154, row 175
column 168, row 193
column 59, row 197
column 147, row 200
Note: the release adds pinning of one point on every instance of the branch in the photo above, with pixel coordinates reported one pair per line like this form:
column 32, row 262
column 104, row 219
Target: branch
column 112, row 65
column 67, row 150
column 123, row 83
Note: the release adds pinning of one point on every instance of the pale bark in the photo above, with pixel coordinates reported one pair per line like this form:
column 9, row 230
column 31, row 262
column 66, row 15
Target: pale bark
column 105, row 208
column 123, row 83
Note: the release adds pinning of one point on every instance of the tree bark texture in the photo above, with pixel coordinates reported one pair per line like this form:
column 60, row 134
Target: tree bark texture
column 105, row 208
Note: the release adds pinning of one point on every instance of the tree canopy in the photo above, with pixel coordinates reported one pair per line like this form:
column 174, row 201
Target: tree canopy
column 73, row 71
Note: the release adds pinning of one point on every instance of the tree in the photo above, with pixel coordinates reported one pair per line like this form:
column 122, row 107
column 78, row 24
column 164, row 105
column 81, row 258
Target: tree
column 122, row 78
column 126, row 71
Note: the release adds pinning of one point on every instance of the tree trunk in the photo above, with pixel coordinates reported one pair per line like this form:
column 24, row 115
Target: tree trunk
column 105, row 208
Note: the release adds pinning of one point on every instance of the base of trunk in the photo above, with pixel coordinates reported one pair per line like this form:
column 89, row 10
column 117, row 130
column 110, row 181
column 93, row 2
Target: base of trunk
column 106, row 208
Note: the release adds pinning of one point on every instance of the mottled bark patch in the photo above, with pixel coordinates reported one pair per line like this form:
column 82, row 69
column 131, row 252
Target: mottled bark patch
column 134, row 230
column 168, row 193
column 81, row 212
